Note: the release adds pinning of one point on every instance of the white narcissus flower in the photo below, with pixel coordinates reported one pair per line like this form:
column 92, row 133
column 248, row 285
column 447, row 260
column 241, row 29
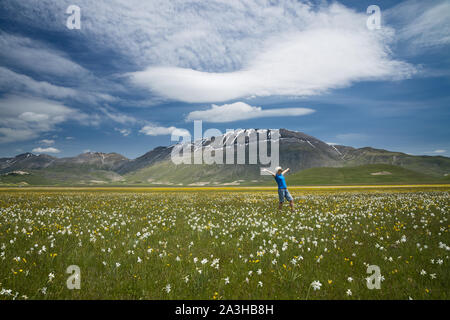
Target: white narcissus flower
column 349, row 292
column 316, row 285
column 6, row 292
column 167, row 288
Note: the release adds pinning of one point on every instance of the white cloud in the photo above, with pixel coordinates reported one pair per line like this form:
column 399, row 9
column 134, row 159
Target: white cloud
column 218, row 50
column 199, row 34
column 24, row 118
column 333, row 49
column 124, row 132
column 242, row 111
column 16, row 134
column 153, row 130
column 46, row 150
column 440, row 151
column 37, row 57
column 33, row 117
column 421, row 24
column 117, row 116
column 47, row 141
column 12, row 81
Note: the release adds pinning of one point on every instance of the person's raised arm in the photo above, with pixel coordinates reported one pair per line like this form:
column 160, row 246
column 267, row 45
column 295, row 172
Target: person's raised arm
column 285, row 171
column 273, row 174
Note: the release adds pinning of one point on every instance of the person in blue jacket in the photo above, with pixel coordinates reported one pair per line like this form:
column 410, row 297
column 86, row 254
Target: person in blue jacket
column 282, row 187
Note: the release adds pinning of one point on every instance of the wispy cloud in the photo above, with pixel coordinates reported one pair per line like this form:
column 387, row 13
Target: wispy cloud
column 124, row 132
column 35, row 68
column 439, row 151
column 17, row 83
column 11, row 81
column 27, row 117
column 118, row 117
column 32, row 55
column 23, row 118
column 223, row 50
column 47, row 141
column 242, row 111
column 421, row 24
column 333, row 49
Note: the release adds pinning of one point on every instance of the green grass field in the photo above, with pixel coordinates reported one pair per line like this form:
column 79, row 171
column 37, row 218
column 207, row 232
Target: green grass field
column 366, row 174
column 168, row 174
column 225, row 244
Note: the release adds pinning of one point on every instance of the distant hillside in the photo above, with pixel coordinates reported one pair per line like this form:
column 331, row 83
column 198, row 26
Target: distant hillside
column 366, row 174
column 167, row 173
column 62, row 177
column 432, row 165
column 88, row 161
column 311, row 160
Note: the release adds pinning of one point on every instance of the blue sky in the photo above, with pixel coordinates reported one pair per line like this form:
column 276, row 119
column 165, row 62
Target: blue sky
column 138, row 70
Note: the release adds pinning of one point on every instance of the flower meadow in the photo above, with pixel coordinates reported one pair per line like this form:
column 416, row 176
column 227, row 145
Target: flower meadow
column 217, row 244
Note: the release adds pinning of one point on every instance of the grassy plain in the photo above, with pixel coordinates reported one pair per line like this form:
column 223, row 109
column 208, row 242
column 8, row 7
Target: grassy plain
column 225, row 243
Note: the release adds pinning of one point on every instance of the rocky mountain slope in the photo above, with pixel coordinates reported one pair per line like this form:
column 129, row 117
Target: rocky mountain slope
column 297, row 151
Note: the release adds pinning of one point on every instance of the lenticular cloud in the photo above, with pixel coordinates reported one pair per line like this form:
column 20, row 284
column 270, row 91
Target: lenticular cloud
column 332, row 50
column 242, row 111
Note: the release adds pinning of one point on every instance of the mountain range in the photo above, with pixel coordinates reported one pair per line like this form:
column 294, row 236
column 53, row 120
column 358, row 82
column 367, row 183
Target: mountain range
column 311, row 161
